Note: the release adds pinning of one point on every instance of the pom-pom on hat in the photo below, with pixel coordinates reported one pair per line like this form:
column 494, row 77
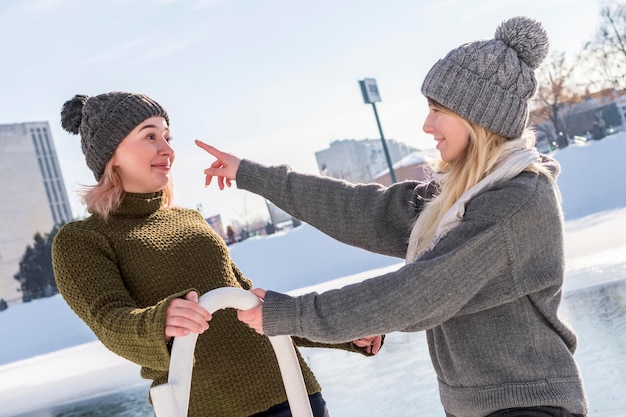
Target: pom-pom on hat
column 489, row 82
column 103, row 121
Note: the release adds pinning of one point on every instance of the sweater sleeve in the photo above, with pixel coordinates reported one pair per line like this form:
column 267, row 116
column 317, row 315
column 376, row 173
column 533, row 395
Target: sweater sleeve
column 89, row 280
column 347, row 346
column 369, row 216
column 471, row 269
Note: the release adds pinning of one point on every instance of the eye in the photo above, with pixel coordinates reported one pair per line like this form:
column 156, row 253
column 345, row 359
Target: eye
column 151, row 136
column 169, row 139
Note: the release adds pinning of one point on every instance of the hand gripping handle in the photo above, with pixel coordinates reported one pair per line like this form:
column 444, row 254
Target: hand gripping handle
column 172, row 398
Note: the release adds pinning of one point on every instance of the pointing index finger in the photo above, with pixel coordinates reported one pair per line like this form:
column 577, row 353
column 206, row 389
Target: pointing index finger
column 210, row 149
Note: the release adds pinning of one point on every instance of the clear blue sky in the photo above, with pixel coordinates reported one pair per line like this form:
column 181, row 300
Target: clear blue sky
column 270, row 80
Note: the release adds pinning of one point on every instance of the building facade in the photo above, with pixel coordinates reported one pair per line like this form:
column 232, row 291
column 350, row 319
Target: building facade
column 413, row 167
column 33, row 196
column 359, row 161
column 595, row 116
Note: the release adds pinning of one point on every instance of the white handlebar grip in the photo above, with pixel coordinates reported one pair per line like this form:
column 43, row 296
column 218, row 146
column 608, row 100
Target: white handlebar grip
column 172, row 399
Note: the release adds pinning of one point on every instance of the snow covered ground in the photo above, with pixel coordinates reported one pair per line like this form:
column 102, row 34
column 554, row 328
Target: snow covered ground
column 48, row 356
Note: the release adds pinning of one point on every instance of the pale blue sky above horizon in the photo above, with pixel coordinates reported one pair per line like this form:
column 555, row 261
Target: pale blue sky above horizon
column 273, row 81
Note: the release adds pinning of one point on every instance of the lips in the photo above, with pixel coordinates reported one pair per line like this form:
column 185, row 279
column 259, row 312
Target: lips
column 164, row 167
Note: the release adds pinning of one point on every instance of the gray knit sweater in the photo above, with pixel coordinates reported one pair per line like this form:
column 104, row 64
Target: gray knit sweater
column 487, row 294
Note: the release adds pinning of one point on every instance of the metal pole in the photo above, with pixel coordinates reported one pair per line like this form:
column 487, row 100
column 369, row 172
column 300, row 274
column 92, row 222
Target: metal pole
column 382, row 138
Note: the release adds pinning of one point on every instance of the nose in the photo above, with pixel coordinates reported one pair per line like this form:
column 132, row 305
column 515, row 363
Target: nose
column 165, row 148
column 428, row 124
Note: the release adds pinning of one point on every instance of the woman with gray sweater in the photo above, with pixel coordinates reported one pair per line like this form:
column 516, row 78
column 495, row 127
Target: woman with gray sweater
column 482, row 239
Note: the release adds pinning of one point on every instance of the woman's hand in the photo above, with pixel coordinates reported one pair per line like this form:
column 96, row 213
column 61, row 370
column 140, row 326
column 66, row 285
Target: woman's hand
column 371, row 344
column 185, row 315
column 224, row 167
column 254, row 317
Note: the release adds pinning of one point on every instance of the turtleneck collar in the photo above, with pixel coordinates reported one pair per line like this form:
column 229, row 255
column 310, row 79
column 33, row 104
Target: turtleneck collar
column 139, row 204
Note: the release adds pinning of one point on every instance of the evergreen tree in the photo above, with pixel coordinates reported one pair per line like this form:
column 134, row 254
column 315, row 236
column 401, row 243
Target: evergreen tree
column 35, row 274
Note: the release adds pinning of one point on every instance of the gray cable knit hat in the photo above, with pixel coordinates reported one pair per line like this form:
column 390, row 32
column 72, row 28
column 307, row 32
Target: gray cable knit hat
column 103, row 121
column 489, row 82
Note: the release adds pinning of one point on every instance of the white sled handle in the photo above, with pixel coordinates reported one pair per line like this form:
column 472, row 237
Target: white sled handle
column 172, row 398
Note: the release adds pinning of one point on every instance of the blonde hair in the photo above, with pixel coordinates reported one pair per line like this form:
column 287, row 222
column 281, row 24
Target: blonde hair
column 456, row 177
column 106, row 196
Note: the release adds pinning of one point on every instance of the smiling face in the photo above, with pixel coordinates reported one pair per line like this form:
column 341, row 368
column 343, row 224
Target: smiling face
column 143, row 160
column 450, row 133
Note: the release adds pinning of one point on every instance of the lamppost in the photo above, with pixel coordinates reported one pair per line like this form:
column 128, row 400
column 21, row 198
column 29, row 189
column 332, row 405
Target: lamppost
column 369, row 89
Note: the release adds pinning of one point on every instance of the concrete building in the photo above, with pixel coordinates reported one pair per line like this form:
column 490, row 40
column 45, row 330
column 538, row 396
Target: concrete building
column 359, row 161
column 33, row 197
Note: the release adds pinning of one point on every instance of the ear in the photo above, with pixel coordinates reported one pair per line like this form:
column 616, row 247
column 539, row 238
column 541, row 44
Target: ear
column 113, row 160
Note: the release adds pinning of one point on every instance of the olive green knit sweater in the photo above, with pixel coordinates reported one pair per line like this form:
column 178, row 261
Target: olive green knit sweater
column 119, row 277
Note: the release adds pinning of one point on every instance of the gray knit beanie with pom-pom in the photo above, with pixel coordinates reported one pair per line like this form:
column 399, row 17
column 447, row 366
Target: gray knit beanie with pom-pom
column 489, row 82
column 103, row 121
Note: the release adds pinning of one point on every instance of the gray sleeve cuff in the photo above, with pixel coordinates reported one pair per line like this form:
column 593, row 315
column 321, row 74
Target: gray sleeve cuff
column 254, row 177
column 280, row 315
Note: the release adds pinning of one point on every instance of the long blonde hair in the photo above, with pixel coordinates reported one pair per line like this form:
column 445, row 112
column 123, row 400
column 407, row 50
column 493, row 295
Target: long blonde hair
column 456, row 177
column 106, row 196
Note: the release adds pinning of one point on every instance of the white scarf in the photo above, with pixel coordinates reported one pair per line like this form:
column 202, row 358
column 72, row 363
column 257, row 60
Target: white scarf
column 517, row 156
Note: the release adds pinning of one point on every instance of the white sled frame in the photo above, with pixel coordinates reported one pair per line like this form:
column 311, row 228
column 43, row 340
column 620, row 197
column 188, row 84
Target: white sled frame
column 172, row 398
